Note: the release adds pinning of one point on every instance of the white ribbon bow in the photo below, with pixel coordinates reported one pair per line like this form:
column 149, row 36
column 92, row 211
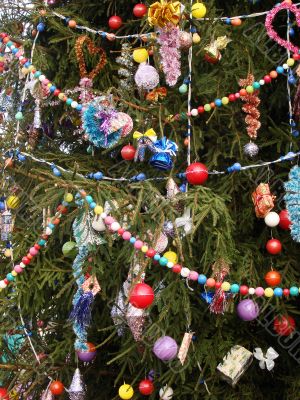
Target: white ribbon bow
column 185, row 221
column 268, row 360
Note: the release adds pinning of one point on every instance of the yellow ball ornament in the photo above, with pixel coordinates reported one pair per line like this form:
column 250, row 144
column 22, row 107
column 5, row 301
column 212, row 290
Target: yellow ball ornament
column 13, row 202
column 196, row 38
column 198, row 10
column 171, row 256
column 98, row 210
column 269, row 292
column 7, row 253
column 126, row 392
column 140, row 55
column 144, row 249
column 225, row 286
column 68, row 197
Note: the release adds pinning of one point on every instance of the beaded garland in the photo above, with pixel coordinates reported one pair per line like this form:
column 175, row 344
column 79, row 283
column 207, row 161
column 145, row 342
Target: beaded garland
column 150, row 253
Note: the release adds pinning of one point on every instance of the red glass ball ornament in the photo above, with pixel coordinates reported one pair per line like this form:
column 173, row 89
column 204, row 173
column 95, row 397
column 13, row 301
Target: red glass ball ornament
column 232, row 97
column 4, row 394
column 296, row 57
column 244, row 290
column 128, row 152
column 56, row 388
column 150, row 253
column 196, row 174
column 139, row 10
column 273, row 278
column 274, row 246
column 142, row 296
column 146, row 387
column 284, row 222
column 267, row 79
column 115, row 22
column 177, row 268
column 25, row 260
column 284, row 325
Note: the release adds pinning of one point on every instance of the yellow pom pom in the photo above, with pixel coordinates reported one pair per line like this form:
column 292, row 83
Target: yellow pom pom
column 126, row 392
column 144, row 249
column 269, row 292
column 98, row 210
column 198, row 10
column 140, row 55
column 225, row 286
column 68, row 197
column 7, row 253
column 13, row 202
column 290, row 62
column 171, row 256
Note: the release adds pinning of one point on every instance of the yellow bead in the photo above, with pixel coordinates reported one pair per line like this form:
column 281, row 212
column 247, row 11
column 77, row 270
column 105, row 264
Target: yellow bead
column 1, row 58
column 290, row 62
column 13, row 202
column 49, row 85
column 98, row 210
column 68, row 197
column 196, row 38
column 7, row 253
column 225, row 286
column 198, row 10
column 269, row 292
column 25, row 71
column 126, row 392
column 61, row 96
column 144, row 249
column 225, row 101
column 140, row 55
column 171, row 256
column 14, row 273
column 31, row 68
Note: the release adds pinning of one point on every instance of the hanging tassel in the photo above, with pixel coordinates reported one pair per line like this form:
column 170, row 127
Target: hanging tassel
column 77, row 388
column 220, row 300
column 82, row 310
column 37, row 121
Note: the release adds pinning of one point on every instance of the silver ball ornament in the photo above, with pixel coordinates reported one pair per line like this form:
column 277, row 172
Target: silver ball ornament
column 146, row 77
column 251, row 149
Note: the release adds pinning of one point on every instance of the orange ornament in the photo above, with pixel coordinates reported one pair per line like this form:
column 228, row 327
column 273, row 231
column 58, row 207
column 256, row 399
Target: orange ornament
column 236, row 22
column 56, row 388
column 72, row 23
column 273, row 278
column 92, row 49
column 9, row 163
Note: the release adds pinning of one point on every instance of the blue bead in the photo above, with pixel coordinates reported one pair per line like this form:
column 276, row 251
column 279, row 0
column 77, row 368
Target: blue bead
column 292, row 80
column 10, row 277
column 292, row 32
column 65, row 203
column 228, row 21
column 229, row 169
column 156, row 257
column 2, row 205
column 103, row 34
column 293, row 123
column 27, row 64
column 92, row 205
column 52, row 88
column 132, row 240
column 237, row 166
column 234, row 288
column 295, row 133
column 69, row 102
column 256, row 85
column 40, row 27
column 21, row 157
column 56, row 172
column 218, row 102
column 89, row 199
column 98, row 176
column 79, row 107
column 51, row 226
column 14, row 51
column 42, row 242
column 141, row 177
column 163, row 261
column 278, row 292
column 37, row 74
column 294, row 291
column 202, row 279
column 280, row 70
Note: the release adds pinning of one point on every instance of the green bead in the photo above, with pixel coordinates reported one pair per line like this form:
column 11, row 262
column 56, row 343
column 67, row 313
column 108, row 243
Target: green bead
column 42, row 242
column 183, row 88
column 69, row 102
column 256, row 85
column 294, row 291
column 163, row 261
column 250, row 89
column 225, row 100
column 19, row 116
column 207, row 107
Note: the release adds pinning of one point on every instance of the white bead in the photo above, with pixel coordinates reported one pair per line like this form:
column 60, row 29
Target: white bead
column 12, row 47
column 251, row 291
column 2, row 285
column 22, row 265
column 170, row 264
column 185, row 272
column 194, row 112
column 103, row 215
column 261, row 82
column 42, row 78
column 48, row 231
column 21, row 58
column 115, row 226
column 166, row 393
column 272, row 219
column 74, row 104
column 285, row 66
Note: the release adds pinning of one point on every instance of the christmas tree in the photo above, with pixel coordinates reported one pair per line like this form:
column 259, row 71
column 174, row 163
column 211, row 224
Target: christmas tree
column 150, row 200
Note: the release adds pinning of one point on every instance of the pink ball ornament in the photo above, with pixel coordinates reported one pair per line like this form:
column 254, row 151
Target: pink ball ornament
column 247, row 310
column 259, row 291
column 138, row 244
column 146, row 77
column 33, row 251
column 126, row 235
column 109, row 220
column 165, row 348
column 193, row 276
column 18, row 269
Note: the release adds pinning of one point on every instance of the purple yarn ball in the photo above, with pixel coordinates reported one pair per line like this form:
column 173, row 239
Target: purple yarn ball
column 247, row 310
column 165, row 348
column 146, row 77
column 86, row 356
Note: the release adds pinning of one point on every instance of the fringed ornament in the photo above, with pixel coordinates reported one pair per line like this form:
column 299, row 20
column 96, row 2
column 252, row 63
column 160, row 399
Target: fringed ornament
column 47, row 395
column 292, row 200
column 219, row 302
column 77, row 389
column 135, row 318
column 252, row 102
column 184, row 347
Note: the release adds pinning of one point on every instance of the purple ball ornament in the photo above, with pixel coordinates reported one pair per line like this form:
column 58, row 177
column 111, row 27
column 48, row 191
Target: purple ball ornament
column 247, row 310
column 146, row 77
column 88, row 355
column 165, row 348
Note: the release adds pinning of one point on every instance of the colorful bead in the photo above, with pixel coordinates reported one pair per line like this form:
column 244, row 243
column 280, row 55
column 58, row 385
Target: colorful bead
column 184, row 272
column 163, row 261
column 138, row 244
column 225, row 286
column 202, row 279
column 193, row 276
column 294, row 291
column 210, row 282
column 269, row 292
column 132, row 240
column 144, row 249
column 278, row 292
column 259, row 291
column 235, row 288
column 126, row 235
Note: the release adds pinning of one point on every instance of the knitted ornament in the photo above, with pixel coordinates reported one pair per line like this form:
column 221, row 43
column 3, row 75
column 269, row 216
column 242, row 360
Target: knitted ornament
column 292, row 199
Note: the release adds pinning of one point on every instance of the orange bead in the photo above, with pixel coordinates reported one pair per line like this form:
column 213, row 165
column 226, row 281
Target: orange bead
column 236, row 22
column 72, row 23
column 43, row 12
column 210, row 282
column 33, row 32
column 56, row 221
column 243, row 92
column 273, row 278
column 9, row 163
column 6, row 39
column 29, row 256
column 186, row 141
column 82, row 193
column 273, row 74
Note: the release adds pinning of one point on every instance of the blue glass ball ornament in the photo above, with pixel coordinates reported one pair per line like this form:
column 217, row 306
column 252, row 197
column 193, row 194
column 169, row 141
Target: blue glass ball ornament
column 234, row 288
column 41, row 27
column 202, row 279
column 98, row 176
column 56, row 171
column 278, row 292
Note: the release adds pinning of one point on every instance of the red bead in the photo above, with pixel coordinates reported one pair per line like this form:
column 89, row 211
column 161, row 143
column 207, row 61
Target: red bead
column 218, row 285
column 201, row 110
column 284, row 325
column 115, row 22
column 121, row 231
column 146, row 387
column 24, row 61
column 62, row 209
column 6, row 281
column 232, row 97
column 244, row 290
column 139, row 10
column 267, row 79
column 296, row 57
column 56, row 221
column 56, row 388
column 177, row 268
column 274, row 246
column 45, row 237
column 3, row 35
column 285, row 222
column 196, row 174
column 28, row 255
column 210, row 282
column 286, row 292
column 150, row 253
column 141, row 296
column 128, row 152
column 56, row 92
column 25, row 260
column 4, row 394
column 273, row 278
column 37, row 246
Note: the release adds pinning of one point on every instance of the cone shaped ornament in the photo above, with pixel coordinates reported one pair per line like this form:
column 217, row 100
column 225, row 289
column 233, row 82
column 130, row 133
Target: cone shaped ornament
column 77, row 389
column 47, row 395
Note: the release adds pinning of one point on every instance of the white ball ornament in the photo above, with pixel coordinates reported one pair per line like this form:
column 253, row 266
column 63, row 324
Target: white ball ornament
column 42, row 78
column 185, row 272
column 272, row 219
column 98, row 225
column 2, row 285
column 74, row 104
column 166, row 393
column 170, row 264
column 115, row 226
column 251, row 291
column 48, row 231
column 194, row 112
column 261, row 82
column 22, row 265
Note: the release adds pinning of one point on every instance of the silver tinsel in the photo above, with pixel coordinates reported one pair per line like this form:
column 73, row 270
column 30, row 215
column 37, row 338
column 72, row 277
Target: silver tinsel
column 37, row 120
column 6, row 225
column 126, row 69
column 168, row 228
column 251, row 149
column 77, row 389
column 47, row 395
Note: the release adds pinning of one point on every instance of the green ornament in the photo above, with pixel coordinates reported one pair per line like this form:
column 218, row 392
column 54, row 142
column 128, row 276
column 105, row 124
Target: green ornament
column 19, row 116
column 183, row 88
column 69, row 249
